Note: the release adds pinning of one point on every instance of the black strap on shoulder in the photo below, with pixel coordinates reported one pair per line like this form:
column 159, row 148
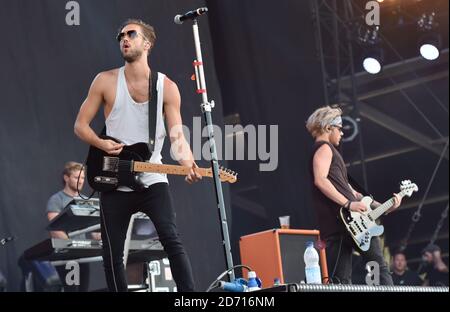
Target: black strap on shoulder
column 152, row 109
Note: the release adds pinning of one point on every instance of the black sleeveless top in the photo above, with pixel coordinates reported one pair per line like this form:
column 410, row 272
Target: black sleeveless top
column 327, row 210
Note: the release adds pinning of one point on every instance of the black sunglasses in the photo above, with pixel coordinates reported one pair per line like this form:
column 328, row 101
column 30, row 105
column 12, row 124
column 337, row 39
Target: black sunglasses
column 131, row 34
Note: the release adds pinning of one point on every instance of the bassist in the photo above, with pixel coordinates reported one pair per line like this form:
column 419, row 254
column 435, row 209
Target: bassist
column 331, row 191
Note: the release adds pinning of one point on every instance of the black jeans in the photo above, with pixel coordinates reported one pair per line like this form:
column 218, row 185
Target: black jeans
column 116, row 210
column 339, row 249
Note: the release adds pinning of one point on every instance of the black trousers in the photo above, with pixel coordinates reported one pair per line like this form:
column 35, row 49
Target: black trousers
column 116, row 210
column 339, row 249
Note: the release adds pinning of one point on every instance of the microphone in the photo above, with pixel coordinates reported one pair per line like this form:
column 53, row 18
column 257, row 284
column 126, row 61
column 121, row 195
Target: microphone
column 179, row 19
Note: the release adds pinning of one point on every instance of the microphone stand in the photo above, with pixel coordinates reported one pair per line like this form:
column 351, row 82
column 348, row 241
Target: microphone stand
column 206, row 108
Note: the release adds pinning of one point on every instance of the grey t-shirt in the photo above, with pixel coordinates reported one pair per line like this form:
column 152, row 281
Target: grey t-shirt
column 57, row 202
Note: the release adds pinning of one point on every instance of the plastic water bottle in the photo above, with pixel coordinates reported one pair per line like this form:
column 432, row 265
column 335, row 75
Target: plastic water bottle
column 253, row 283
column 312, row 268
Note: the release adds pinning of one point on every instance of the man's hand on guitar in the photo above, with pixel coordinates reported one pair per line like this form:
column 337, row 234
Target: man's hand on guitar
column 193, row 175
column 397, row 202
column 357, row 206
column 111, row 147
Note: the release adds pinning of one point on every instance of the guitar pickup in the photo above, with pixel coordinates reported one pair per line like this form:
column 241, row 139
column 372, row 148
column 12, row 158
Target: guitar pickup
column 106, row 180
column 111, row 164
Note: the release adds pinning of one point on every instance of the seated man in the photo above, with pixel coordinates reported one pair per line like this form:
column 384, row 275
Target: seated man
column 401, row 275
column 73, row 180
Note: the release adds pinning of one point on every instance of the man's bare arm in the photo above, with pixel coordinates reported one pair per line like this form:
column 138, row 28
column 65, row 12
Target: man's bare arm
column 87, row 112
column 375, row 204
column 357, row 195
column 180, row 148
column 56, row 234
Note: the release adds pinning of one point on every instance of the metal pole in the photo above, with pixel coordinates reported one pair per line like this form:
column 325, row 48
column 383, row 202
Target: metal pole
column 206, row 108
column 336, row 51
column 318, row 33
column 347, row 8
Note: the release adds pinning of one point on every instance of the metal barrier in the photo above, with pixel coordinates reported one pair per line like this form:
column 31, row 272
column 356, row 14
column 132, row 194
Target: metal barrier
column 366, row 288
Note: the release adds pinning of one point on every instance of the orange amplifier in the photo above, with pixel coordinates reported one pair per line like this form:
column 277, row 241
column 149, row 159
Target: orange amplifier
column 278, row 253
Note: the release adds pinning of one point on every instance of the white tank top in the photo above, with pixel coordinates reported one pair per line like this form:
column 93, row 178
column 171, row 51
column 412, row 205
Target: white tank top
column 128, row 122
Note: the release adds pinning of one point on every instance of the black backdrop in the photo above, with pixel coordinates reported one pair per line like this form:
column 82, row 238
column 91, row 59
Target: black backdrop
column 267, row 71
column 269, row 74
column 47, row 70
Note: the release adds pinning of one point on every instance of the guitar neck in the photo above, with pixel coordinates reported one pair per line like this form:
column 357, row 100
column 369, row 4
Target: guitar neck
column 380, row 210
column 139, row 166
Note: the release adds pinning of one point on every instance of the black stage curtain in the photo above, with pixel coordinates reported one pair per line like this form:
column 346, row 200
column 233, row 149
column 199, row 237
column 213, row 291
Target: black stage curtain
column 265, row 57
column 47, row 68
column 269, row 74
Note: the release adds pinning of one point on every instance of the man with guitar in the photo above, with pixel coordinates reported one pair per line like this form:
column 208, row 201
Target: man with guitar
column 132, row 97
column 331, row 192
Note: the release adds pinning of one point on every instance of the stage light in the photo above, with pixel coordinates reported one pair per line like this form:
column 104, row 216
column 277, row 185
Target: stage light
column 429, row 51
column 430, row 40
column 373, row 60
column 372, row 65
column 373, row 53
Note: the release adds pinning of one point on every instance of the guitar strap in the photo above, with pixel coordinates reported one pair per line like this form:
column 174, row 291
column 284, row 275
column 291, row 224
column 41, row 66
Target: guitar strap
column 152, row 109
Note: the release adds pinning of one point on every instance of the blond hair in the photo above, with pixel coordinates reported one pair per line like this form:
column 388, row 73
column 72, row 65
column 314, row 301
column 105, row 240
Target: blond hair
column 321, row 119
column 69, row 168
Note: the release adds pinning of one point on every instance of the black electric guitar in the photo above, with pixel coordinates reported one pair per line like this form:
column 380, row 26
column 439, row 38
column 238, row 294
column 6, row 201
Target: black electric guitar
column 107, row 172
column 362, row 226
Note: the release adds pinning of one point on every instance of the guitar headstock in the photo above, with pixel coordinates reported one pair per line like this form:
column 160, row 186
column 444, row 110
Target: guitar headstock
column 225, row 175
column 407, row 187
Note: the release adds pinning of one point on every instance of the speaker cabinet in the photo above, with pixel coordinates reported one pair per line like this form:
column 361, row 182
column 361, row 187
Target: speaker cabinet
column 278, row 253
